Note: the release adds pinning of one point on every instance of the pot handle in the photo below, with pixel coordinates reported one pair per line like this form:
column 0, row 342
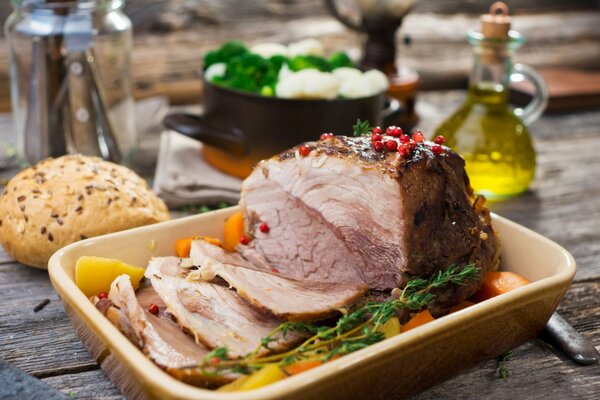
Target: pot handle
column 194, row 126
column 391, row 112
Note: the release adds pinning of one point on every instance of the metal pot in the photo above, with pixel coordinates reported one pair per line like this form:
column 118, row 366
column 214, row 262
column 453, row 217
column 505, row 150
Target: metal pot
column 239, row 129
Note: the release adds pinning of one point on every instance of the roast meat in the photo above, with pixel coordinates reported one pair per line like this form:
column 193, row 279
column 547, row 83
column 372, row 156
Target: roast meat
column 346, row 213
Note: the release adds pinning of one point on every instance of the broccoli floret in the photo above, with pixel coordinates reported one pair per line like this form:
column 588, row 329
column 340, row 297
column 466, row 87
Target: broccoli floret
column 299, row 63
column 276, row 62
column 340, row 59
column 229, row 50
column 210, row 58
column 246, row 72
column 233, row 48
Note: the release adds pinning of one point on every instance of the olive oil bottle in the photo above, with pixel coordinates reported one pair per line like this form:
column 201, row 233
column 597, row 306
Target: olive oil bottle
column 491, row 136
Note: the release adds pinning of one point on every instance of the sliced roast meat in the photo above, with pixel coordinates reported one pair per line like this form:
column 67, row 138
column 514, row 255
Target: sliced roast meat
column 346, row 213
column 215, row 315
column 157, row 334
column 291, row 299
column 162, row 339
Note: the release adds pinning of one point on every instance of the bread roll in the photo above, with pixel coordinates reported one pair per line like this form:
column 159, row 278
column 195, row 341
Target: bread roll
column 63, row 200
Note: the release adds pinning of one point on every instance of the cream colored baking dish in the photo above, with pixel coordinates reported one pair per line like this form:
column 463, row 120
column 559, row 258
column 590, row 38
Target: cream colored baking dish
column 397, row 367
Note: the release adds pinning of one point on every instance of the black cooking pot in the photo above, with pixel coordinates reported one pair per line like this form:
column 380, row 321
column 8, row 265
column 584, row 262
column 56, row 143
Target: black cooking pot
column 239, row 128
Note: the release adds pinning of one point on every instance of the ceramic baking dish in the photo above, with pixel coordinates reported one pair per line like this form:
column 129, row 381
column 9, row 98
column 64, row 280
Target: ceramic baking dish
column 397, row 367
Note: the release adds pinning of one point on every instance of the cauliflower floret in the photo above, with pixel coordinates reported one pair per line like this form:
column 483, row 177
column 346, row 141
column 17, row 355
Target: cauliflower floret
column 306, row 47
column 284, row 72
column 366, row 84
column 346, row 73
column 308, row 84
column 355, row 88
column 268, row 50
column 215, row 71
column 377, row 80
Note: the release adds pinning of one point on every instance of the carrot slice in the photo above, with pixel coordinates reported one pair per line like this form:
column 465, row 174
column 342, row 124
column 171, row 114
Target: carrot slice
column 461, row 306
column 301, row 366
column 234, row 229
column 210, row 239
column 417, row 320
column 496, row 283
column 183, row 246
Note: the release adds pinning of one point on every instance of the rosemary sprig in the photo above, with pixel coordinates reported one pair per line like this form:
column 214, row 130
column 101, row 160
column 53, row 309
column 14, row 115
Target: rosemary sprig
column 353, row 331
column 361, row 128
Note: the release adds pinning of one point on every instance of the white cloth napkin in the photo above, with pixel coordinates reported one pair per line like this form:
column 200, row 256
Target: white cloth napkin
column 183, row 177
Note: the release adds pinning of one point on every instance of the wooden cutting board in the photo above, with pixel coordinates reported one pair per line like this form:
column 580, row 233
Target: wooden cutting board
column 569, row 89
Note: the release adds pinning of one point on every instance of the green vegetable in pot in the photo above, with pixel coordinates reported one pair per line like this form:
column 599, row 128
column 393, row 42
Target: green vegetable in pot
column 276, row 62
column 247, row 72
column 304, row 62
column 229, row 50
column 234, row 66
column 267, row 91
column 340, row 59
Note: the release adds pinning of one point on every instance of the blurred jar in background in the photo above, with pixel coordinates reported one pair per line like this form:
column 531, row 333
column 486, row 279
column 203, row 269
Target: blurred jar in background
column 71, row 85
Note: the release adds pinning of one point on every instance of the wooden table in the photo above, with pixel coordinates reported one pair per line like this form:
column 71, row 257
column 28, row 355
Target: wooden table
column 563, row 204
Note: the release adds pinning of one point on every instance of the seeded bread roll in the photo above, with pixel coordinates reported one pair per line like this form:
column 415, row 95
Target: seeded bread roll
column 63, row 200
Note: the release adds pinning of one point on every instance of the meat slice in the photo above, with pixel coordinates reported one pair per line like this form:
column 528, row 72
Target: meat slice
column 346, row 213
column 157, row 335
column 215, row 315
column 285, row 298
column 160, row 337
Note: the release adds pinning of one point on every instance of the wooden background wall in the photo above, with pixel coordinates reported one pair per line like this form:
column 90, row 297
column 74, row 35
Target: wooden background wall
column 172, row 35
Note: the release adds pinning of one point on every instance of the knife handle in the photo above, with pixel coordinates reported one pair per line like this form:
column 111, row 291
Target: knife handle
column 571, row 342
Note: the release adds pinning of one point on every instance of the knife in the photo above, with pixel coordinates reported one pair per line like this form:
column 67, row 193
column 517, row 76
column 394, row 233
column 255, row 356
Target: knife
column 571, row 342
column 16, row 384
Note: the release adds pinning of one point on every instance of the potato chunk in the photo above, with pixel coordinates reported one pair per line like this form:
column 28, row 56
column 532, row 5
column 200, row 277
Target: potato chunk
column 94, row 275
column 268, row 374
column 391, row 328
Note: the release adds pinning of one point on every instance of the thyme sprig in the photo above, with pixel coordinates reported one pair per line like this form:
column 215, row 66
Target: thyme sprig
column 503, row 370
column 353, row 331
column 361, row 128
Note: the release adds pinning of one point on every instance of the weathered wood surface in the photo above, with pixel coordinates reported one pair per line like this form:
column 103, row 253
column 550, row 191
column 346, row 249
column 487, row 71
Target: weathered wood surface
column 563, row 205
column 172, row 37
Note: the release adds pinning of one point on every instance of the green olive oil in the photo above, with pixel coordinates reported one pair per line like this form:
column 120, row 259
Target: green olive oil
column 496, row 146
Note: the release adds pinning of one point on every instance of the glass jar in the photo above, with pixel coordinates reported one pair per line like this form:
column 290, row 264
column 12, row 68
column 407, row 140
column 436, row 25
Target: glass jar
column 71, row 85
column 492, row 137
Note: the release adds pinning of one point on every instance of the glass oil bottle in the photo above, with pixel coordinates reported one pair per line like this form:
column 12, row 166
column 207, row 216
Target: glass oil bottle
column 491, row 136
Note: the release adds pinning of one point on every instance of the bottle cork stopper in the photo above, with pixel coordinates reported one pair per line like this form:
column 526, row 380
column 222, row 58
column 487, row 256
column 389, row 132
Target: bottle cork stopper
column 496, row 24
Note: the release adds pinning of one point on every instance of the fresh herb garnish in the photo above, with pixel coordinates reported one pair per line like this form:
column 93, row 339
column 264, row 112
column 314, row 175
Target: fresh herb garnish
column 361, row 128
column 203, row 208
column 503, row 360
column 220, row 353
column 353, row 331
